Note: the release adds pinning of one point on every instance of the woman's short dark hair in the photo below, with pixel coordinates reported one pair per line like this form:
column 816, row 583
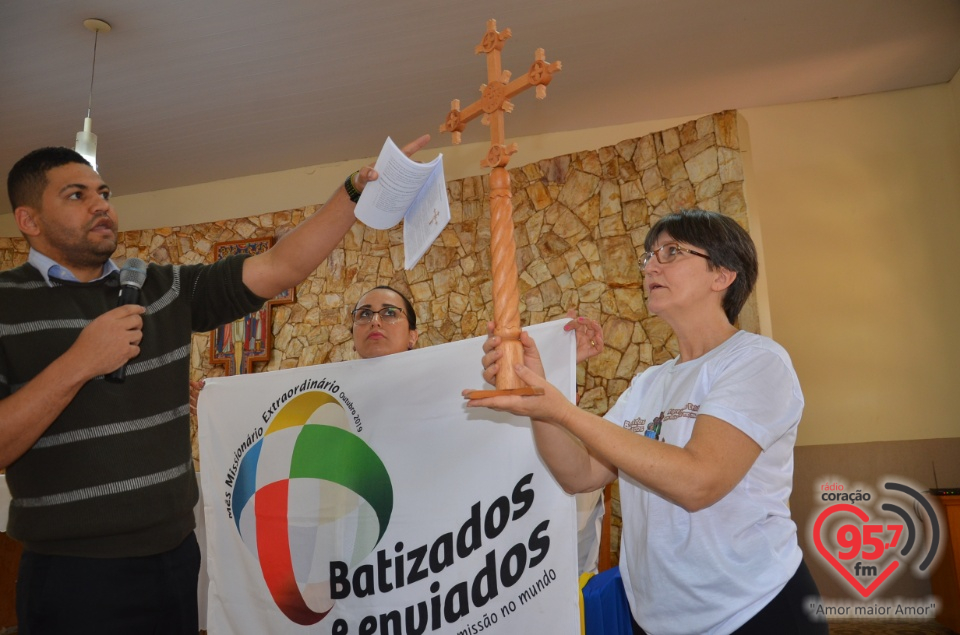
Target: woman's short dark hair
column 407, row 307
column 28, row 176
column 728, row 245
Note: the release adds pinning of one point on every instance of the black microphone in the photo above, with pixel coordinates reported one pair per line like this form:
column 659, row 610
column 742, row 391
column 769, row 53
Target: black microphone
column 132, row 274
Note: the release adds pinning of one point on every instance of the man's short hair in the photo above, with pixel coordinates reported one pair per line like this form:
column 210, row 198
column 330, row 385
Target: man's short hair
column 28, row 176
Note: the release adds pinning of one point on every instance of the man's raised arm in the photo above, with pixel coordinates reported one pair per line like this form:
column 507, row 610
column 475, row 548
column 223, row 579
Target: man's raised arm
column 299, row 253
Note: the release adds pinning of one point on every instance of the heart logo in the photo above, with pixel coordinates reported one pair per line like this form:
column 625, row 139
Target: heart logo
column 829, row 557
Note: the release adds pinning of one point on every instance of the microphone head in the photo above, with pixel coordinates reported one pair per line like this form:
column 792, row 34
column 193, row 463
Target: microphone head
column 133, row 273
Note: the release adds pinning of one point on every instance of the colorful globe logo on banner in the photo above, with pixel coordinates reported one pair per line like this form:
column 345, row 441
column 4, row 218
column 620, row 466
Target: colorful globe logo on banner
column 310, row 492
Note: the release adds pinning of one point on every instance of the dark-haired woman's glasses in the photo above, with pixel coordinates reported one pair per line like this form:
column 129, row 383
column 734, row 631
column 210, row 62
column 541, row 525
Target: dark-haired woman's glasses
column 667, row 252
column 388, row 315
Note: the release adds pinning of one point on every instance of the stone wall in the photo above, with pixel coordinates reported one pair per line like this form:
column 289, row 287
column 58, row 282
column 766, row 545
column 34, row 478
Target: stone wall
column 580, row 221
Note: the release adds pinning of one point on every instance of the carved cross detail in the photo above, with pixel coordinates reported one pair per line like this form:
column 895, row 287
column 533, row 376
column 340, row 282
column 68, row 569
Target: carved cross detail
column 496, row 93
column 493, row 103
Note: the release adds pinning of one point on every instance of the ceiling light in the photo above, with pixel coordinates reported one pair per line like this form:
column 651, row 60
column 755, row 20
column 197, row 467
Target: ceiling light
column 86, row 140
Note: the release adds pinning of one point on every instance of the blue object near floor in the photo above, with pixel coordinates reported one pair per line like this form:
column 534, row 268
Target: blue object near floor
column 605, row 608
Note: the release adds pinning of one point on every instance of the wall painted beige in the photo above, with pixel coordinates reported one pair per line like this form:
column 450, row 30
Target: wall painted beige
column 856, row 206
column 859, row 208
column 955, row 98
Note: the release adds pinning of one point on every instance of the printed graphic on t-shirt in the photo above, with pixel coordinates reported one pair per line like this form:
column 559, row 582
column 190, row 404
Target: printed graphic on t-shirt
column 653, row 429
column 687, row 412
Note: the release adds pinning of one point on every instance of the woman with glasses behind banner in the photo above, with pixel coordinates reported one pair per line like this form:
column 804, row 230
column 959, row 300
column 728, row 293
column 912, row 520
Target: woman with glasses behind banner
column 703, row 445
column 384, row 323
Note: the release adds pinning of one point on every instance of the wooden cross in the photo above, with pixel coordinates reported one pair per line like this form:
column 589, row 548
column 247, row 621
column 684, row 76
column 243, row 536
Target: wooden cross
column 493, row 103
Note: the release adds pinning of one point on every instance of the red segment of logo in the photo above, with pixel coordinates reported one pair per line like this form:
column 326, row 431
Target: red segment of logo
column 862, row 515
column 273, row 545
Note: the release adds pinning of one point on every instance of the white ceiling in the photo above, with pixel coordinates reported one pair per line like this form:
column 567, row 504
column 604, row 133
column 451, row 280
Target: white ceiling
column 190, row 91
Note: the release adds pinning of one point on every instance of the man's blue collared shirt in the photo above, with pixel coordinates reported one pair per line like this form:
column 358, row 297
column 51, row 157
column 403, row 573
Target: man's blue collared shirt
column 50, row 268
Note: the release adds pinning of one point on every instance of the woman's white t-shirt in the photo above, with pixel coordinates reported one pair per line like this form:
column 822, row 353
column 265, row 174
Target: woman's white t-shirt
column 710, row 571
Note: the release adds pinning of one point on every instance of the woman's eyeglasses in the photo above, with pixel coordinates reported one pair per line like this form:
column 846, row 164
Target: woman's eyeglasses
column 388, row 315
column 667, row 252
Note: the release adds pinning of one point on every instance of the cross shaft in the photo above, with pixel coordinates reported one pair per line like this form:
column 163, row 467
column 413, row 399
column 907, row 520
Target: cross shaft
column 494, row 101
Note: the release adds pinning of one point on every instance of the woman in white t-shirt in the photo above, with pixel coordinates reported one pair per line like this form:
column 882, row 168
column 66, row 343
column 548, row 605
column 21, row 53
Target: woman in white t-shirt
column 703, row 446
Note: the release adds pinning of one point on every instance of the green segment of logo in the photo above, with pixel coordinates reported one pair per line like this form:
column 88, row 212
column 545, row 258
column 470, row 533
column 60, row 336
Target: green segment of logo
column 333, row 454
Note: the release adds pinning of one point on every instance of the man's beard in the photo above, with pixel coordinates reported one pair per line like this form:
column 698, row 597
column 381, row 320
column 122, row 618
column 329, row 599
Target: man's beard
column 84, row 253
column 89, row 257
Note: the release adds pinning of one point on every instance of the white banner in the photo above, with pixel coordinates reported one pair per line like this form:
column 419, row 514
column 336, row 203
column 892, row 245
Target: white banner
column 364, row 497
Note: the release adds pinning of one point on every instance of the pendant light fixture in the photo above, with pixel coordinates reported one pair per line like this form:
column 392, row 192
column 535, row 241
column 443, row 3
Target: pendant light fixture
column 86, row 144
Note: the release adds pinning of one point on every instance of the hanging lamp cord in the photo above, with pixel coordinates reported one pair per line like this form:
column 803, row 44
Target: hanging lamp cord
column 93, row 69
